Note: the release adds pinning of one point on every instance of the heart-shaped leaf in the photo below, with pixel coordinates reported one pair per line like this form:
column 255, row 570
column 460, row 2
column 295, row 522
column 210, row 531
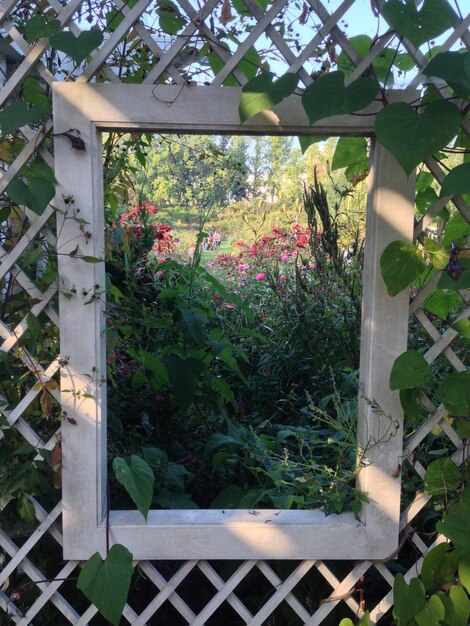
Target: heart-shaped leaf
column 35, row 194
column 400, row 264
column 441, row 477
column 409, row 599
column 454, row 68
column 77, row 48
column 409, row 370
column 106, row 583
column 137, row 479
column 454, row 392
column 19, row 114
column 410, row 137
column 33, row 93
column 37, row 26
column 329, row 96
column 305, row 142
column 263, row 92
column 454, row 524
column 171, row 20
column 457, row 181
column 434, row 18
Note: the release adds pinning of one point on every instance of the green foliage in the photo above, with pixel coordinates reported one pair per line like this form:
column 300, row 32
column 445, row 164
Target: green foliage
column 400, row 263
column 441, row 477
column 419, row 25
column 328, row 95
column 454, row 392
column 408, row 599
column 457, row 181
column 77, row 48
column 35, row 194
column 19, row 114
column 137, row 478
column 263, row 92
column 454, row 68
column 410, row 137
column 409, row 370
column 106, row 582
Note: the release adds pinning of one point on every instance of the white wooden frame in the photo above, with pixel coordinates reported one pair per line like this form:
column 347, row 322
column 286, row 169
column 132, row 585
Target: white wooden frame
column 214, row 534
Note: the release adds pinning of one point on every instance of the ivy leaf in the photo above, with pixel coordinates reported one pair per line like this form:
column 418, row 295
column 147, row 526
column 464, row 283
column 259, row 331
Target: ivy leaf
column 441, row 477
column 106, row 583
column 454, row 392
column 457, row 181
column 19, row 114
column 409, row 370
column 454, row 68
column 263, row 92
column 410, row 137
column 400, row 263
column 137, row 479
column 409, row 599
column 434, row 18
column 37, row 26
column 328, row 96
column 36, row 195
column 77, row 48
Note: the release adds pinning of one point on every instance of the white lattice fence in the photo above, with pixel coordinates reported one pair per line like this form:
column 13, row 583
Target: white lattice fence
column 197, row 593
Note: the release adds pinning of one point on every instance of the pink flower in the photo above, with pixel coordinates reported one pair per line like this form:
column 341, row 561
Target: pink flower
column 284, row 257
column 282, row 277
column 243, row 266
column 260, row 276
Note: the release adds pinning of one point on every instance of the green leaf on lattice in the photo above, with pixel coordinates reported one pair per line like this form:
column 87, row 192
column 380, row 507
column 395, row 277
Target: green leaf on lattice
column 457, row 181
column 412, row 138
column 400, row 263
column 432, row 614
column 454, row 68
column 441, row 477
column 328, row 96
column 171, row 20
column 263, row 92
column 32, row 92
column 77, row 48
column 419, row 26
column 438, row 566
column 409, row 599
column 19, row 114
column 454, row 392
column 137, row 478
column 454, row 524
column 106, row 582
column 37, row 26
column 464, row 571
column 409, row 370
column 462, row 327
column 36, row 195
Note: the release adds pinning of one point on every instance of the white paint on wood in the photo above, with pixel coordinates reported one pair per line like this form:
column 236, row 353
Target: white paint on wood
column 214, row 534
